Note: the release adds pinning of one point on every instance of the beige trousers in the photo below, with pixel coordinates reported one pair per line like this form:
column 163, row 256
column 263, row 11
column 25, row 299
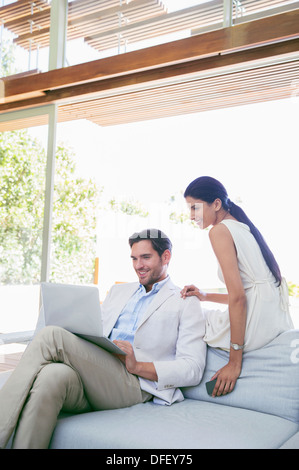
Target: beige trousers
column 61, row 372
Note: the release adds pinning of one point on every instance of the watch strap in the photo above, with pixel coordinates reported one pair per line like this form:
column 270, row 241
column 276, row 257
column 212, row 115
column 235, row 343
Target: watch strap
column 236, row 346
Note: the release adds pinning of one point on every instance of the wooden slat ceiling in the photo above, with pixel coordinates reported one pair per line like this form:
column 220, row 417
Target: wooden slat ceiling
column 244, row 64
column 202, row 94
column 105, row 24
column 34, row 121
column 189, row 18
column 31, row 24
column 227, row 89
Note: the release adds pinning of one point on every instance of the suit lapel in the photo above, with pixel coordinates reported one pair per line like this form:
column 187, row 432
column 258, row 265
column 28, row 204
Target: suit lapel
column 131, row 288
column 117, row 304
column 166, row 291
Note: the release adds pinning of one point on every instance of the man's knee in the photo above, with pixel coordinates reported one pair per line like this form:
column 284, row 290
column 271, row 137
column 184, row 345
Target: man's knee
column 49, row 338
column 56, row 375
column 61, row 383
column 48, row 332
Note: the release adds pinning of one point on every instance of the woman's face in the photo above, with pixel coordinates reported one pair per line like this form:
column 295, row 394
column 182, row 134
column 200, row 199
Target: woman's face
column 203, row 213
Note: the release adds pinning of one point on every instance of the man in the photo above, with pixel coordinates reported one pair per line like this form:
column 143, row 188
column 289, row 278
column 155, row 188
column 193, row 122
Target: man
column 161, row 333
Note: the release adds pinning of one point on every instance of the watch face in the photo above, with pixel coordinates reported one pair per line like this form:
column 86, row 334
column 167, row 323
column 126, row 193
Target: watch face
column 236, row 347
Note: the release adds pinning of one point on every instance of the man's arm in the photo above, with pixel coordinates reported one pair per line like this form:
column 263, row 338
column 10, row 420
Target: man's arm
column 170, row 355
column 186, row 369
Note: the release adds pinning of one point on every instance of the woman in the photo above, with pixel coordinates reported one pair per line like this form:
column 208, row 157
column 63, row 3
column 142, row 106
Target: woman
column 257, row 295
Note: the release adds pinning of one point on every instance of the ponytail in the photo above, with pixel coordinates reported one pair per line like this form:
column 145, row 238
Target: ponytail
column 208, row 189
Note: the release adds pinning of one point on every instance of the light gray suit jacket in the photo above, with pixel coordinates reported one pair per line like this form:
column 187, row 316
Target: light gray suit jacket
column 170, row 335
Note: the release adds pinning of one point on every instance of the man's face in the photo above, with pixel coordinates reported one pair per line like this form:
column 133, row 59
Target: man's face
column 149, row 266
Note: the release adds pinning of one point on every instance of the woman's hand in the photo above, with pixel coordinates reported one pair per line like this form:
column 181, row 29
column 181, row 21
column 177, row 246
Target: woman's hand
column 226, row 379
column 191, row 290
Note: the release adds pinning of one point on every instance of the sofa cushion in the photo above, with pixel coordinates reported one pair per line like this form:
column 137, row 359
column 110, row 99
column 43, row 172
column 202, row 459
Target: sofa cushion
column 269, row 381
column 190, row 424
column 292, row 442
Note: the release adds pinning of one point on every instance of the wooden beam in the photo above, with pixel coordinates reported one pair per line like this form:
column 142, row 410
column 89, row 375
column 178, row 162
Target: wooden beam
column 155, row 77
column 273, row 29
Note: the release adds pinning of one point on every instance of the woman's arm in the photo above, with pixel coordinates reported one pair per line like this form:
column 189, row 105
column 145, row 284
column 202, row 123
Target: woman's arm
column 225, row 251
column 192, row 290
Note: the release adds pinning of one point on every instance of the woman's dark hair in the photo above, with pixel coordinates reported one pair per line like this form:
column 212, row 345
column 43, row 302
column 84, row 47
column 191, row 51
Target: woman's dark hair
column 208, row 189
column 160, row 242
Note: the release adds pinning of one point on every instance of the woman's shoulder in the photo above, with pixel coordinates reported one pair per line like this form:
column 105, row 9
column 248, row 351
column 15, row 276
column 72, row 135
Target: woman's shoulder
column 223, row 226
column 234, row 224
column 219, row 232
column 229, row 229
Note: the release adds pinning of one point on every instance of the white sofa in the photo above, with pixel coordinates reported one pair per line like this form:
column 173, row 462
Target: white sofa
column 262, row 411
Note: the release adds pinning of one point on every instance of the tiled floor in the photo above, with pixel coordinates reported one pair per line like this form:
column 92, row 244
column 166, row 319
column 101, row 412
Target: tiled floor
column 10, row 355
column 10, row 361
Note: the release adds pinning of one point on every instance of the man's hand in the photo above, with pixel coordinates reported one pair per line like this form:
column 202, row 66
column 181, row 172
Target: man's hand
column 146, row 370
column 129, row 359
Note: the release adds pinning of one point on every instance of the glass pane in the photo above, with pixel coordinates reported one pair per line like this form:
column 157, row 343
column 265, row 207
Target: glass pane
column 101, row 28
column 98, row 29
column 143, row 168
column 244, row 8
column 24, row 36
column 107, row 160
column 73, row 249
column 22, row 185
column 74, row 217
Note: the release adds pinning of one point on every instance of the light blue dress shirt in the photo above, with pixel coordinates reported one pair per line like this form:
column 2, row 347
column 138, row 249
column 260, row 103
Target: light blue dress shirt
column 131, row 315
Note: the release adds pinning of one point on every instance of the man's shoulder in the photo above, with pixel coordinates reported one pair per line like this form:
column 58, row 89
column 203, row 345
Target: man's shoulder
column 170, row 285
column 188, row 301
column 120, row 292
column 124, row 286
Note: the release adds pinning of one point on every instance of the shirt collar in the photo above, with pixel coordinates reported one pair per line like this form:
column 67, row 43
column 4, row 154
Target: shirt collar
column 156, row 287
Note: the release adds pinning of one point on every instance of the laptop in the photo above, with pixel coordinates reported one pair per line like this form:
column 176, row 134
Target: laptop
column 78, row 310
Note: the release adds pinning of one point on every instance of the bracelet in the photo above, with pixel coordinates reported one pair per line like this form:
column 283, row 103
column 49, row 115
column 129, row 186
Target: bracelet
column 236, row 346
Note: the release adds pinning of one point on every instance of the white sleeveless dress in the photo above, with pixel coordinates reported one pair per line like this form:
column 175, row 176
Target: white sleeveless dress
column 267, row 305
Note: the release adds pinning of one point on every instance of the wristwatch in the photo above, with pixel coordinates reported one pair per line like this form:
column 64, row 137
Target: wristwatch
column 236, row 346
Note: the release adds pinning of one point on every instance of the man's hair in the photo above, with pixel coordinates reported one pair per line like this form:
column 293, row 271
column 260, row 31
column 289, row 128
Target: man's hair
column 160, row 242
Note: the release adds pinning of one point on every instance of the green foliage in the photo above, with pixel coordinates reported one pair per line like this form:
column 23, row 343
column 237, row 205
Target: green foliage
column 22, row 168
column 7, row 65
column 74, row 222
column 180, row 214
column 128, row 207
column 22, row 183
column 293, row 289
